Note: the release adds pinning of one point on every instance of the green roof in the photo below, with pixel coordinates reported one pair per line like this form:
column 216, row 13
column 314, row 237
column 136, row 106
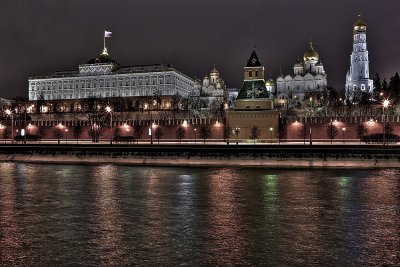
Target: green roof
column 254, row 89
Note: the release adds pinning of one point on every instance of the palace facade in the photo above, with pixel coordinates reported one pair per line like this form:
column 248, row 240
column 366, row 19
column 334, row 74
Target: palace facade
column 104, row 77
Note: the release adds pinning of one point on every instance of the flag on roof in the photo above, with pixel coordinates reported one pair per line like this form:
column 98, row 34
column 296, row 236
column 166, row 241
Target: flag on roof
column 107, row 34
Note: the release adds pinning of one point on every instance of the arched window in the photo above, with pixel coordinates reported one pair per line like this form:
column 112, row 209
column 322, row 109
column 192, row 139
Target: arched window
column 250, row 74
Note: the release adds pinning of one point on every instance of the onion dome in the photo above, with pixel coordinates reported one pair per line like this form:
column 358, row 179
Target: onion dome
column 214, row 72
column 311, row 54
column 359, row 25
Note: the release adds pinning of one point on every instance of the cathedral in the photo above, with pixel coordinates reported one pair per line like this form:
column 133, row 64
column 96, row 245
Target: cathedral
column 212, row 85
column 308, row 77
column 358, row 84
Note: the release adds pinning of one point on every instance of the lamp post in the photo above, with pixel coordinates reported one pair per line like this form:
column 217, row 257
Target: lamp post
column 195, row 139
column 237, row 131
column 109, row 110
column 9, row 113
column 343, row 131
column 59, row 129
column 66, row 135
column 310, row 135
column 385, row 105
column 270, row 131
column 150, row 133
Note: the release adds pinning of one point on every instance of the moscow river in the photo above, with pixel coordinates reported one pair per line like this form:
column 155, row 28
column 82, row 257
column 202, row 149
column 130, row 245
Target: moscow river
column 108, row 215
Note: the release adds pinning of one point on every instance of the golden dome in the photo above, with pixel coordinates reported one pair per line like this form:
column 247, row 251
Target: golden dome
column 359, row 25
column 311, row 54
column 270, row 82
column 214, row 71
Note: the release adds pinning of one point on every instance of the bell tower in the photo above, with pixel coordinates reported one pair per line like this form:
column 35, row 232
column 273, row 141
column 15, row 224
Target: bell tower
column 357, row 78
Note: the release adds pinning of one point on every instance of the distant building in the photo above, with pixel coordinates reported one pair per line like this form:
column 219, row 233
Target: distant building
column 103, row 77
column 309, row 77
column 358, row 83
column 212, row 85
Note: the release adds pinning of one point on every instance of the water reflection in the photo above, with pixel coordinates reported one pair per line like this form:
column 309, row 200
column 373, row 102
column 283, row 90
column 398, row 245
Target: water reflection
column 225, row 235
column 10, row 225
column 381, row 218
column 107, row 218
column 52, row 215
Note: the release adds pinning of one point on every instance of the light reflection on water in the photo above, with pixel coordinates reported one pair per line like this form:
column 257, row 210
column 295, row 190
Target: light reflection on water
column 109, row 215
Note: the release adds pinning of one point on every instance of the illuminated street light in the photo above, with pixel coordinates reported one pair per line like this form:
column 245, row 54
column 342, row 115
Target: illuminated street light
column 59, row 129
column 385, row 105
column 343, row 130
column 9, row 113
column 270, row 131
column 109, row 110
column 66, row 135
column 195, row 131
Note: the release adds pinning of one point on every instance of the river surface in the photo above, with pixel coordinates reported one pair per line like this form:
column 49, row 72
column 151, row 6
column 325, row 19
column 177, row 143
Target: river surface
column 108, row 215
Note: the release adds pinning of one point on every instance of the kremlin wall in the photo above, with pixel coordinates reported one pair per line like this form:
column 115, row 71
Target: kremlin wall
column 103, row 100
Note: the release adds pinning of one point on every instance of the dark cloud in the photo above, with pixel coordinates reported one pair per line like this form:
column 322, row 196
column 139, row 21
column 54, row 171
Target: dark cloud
column 44, row 36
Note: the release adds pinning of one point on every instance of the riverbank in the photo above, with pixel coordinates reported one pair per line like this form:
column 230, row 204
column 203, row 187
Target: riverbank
column 211, row 156
column 245, row 163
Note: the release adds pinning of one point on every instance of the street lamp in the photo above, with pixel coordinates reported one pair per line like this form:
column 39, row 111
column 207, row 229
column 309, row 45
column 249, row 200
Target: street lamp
column 385, row 105
column 66, row 135
column 343, row 130
column 150, row 134
column 237, row 131
column 9, row 113
column 109, row 110
column 270, row 131
column 195, row 131
column 59, row 129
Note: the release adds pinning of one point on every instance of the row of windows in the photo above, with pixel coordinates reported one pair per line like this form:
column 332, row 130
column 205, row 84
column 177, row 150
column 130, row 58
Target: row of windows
column 104, row 83
column 108, row 93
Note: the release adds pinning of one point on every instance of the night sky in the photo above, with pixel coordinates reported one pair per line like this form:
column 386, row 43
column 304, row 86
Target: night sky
column 44, row 36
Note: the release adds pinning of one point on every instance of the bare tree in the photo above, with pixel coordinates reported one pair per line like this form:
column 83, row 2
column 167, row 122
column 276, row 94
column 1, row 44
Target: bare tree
column 137, row 133
column 158, row 134
column 332, row 131
column 180, row 133
column 205, row 132
column 6, row 134
column 58, row 133
column 77, row 132
column 228, row 132
column 304, row 134
column 361, row 131
column 254, row 133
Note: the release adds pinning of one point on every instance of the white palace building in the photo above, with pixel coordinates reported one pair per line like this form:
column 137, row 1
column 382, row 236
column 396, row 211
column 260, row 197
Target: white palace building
column 103, row 77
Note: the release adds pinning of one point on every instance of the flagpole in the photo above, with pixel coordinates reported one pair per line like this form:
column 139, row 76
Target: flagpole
column 104, row 38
